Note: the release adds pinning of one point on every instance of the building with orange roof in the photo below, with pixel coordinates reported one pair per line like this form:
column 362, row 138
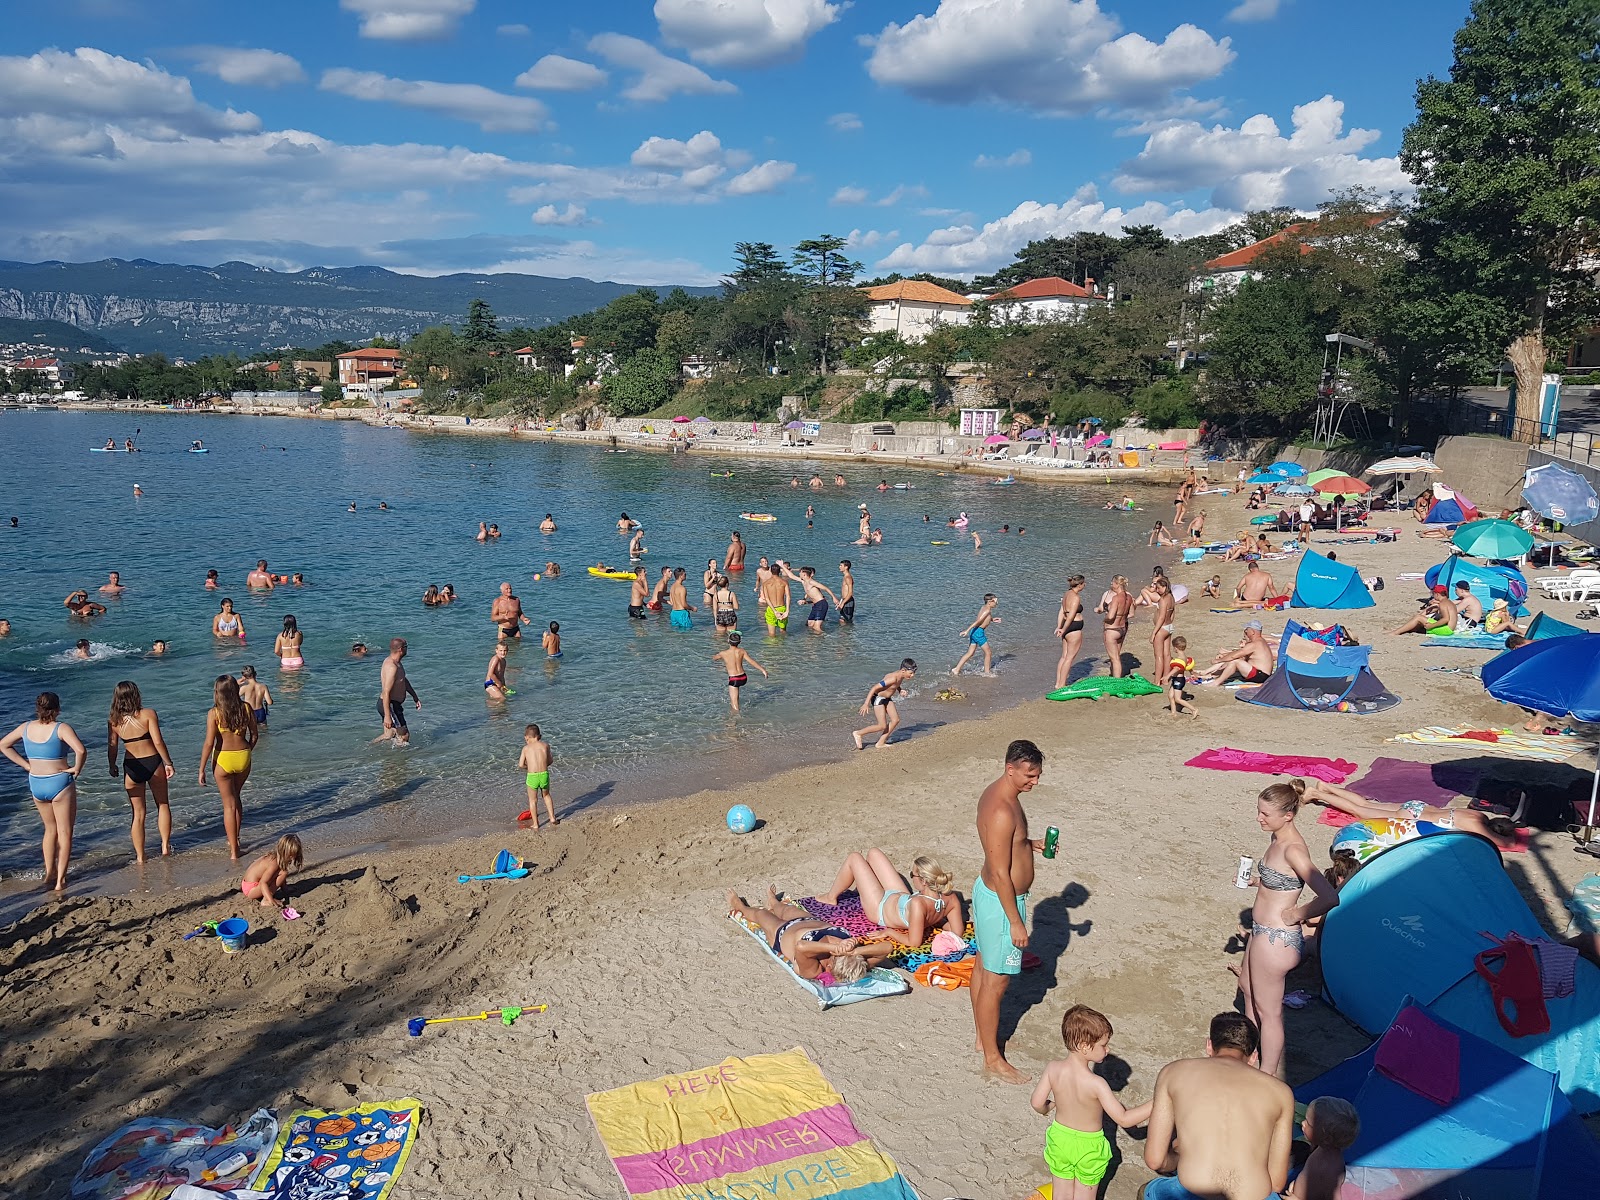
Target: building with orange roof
column 1227, row 271
column 1038, row 301
column 914, row 308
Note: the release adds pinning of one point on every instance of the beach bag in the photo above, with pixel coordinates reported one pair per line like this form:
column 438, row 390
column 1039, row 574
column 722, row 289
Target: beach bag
column 946, row 976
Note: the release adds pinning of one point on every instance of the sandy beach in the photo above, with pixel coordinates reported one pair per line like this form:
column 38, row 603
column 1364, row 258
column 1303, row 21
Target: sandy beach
column 621, row 930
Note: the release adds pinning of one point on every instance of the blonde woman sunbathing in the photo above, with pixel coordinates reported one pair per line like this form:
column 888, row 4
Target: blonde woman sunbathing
column 910, row 912
column 808, row 945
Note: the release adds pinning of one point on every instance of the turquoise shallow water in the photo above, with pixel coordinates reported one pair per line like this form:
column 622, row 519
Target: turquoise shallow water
column 629, row 706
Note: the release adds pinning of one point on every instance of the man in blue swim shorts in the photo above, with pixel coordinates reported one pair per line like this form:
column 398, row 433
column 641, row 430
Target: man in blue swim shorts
column 1000, row 898
column 978, row 638
column 1218, row 1126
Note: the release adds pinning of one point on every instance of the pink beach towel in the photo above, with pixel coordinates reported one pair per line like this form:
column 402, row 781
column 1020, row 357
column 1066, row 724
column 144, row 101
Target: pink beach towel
column 1421, row 1056
column 1329, row 770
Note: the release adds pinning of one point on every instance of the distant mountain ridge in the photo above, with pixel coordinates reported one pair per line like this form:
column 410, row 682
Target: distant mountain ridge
column 53, row 338
column 148, row 307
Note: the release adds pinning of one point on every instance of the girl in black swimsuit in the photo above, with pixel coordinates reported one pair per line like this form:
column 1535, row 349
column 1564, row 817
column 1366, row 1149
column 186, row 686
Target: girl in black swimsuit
column 1069, row 628
column 145, row 762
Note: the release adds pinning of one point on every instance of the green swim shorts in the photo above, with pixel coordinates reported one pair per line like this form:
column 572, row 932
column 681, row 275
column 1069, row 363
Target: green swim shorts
column 1074, row 1154
column 538, row 781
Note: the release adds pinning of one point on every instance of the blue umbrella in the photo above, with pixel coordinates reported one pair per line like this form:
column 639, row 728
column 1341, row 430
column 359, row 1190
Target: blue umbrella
column 1288, row 470
column 1561, row 494
column 1266, row 477
column 1559, row 676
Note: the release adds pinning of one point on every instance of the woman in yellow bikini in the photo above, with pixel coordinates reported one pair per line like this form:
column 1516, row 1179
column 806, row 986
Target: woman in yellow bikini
column 231, row 734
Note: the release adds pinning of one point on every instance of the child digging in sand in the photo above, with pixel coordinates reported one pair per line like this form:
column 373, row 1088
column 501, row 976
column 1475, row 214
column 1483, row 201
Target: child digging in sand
column 1331, row 1126
column 535, row 762
column 267, row 877
column 1075, row 1147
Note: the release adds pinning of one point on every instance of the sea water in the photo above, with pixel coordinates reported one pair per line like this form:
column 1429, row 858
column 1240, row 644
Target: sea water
column 634, row 710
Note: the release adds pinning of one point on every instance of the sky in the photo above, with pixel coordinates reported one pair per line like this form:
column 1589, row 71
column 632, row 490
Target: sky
column 625, row 140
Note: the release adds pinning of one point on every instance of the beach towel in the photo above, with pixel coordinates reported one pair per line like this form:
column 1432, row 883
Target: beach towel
column 1468, row 641
column 1396, row 780
column 1099, row 687
column 848, row 915
column 149, row 1158
column 767, row 1125
column 877, row 982
column 1329, row 770
column 1584, row 905
column 1502, row 741
column 351, row 1154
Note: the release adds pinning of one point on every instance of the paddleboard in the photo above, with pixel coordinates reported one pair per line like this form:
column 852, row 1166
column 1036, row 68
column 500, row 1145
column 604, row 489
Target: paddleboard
column 598, row 573
column 104, row 450
column 202, row 450
column 940, row 543
column 758, row 516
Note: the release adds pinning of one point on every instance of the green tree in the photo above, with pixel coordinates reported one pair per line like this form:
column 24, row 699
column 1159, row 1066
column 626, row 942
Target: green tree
column 1078, row 258
column 1265, row 353
column 331, row 392
column 1506, row 157
column 644, row 382
column 830, row 305
column 625, row 325
column 755, row 264
column 677, row 335
column 482, row 331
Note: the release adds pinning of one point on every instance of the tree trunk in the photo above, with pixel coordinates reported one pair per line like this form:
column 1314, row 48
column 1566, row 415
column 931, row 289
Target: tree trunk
column 1526, row 355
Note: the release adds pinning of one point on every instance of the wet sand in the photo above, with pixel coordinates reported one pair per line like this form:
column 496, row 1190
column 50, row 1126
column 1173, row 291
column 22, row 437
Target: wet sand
column 621, row 930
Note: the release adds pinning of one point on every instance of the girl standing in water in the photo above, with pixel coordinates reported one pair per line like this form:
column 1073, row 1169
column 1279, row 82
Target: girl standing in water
column 145, row 762
column 231, row 734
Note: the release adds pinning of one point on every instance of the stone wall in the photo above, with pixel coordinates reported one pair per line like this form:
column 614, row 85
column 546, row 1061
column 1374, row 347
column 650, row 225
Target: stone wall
column 1488, row 470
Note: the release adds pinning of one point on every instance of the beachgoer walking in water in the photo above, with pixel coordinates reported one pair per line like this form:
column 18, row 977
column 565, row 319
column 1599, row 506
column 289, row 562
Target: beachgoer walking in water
column 231, row 736
column 287, row 645
column 866, row 523
column 978, row 638
column 708, row 582
column 847, row 594
column 1115, row 605
column 636, row 547
column 658, row 594
column 550, row 641
column 1069, row 628
column 506, row 613
column 735, row 661
column 1000, row 898
column 494, row 675
column 226, row 624
column 393, row 688
column 1276, row 921
column 255, row 694
column 816, row 594
column 534, row 763
column 775, row 598
column 46, row 742
column 880, row 701
column 734, row 559
column 678, row 600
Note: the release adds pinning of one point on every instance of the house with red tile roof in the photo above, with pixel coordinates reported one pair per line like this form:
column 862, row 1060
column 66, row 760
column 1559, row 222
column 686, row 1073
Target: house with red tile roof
column 372, row 367
column 1042, row 300
column 914, row 308
column 1227, row 271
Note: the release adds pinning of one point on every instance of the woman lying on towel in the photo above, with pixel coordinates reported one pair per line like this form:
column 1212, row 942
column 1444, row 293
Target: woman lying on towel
column 909, row 911
column 1378, row 826
column 808, row 945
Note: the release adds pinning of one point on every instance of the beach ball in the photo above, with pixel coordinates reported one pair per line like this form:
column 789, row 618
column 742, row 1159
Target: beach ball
column 1346, row 706
column 741, row 819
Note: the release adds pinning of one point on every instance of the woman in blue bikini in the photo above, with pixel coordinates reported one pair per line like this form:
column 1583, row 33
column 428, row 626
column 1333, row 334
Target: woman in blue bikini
column 910, row 912
column 46, row 741
column 1276, row 938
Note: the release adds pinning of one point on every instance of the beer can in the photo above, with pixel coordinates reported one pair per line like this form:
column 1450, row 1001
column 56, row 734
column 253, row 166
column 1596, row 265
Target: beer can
column 1052, row 838
column 1246, row 866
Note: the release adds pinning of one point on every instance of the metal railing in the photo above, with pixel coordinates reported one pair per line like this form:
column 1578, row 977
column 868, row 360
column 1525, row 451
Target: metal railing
column 1574, row 445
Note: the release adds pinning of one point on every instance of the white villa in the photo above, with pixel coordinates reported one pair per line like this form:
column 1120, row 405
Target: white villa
column 913, row 309
column 1042, row 300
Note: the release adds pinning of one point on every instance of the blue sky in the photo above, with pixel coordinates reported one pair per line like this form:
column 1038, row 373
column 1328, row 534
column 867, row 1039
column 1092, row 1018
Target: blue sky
column 638, row 141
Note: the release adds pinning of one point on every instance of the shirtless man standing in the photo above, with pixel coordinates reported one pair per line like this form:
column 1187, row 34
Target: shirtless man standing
column 734, row 560
column 847, row 594
column 1256, row 586
column 260, row 579
column 506, row 613
column 775, row 597
column 1000, row 898
column 817, row 595
column 1166, row 607
column 393, row 689
column 1233, row 1123
column 638, row 593
column 1250, row 661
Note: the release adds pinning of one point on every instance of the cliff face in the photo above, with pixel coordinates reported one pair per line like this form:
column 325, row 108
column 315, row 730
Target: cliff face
column 149, row 307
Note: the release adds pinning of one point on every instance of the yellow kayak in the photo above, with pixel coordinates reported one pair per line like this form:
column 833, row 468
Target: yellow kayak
column 596, row 571
column 758, row 516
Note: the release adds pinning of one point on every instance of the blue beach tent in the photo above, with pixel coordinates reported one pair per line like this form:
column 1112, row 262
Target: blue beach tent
column 1544, row 626
column 1323, row 583
column 1318, row 677
column 1411, row 922
column 1445, row 1114
column 1488, row 583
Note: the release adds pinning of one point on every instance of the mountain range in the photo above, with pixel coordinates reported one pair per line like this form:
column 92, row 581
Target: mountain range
column 148, row 307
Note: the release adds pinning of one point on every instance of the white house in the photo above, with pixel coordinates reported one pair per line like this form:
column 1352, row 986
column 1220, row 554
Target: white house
column 1042, row 300
column 914, row 308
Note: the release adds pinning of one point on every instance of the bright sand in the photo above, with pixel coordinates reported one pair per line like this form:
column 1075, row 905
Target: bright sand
column 621, row 931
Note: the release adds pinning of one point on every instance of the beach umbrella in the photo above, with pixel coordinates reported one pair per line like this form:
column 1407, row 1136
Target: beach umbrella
column 1342, row 485
column 1403, row 466
column 1265, row 477
column 1287, row 470
column 680, row 420
column 1561, row 494
column 1294, row 489
column 795, row 425
column 1317, row 477
column 1557, row 676
column 997, row 439
column 1493, row 538
column 1033, row 434
column 702, row 420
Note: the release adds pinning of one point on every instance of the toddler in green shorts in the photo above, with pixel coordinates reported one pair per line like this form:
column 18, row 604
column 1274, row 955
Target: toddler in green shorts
column 1075, row 1149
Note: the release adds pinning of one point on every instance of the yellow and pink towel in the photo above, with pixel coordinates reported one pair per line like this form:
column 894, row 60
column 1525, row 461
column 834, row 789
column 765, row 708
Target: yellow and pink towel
column 1506, row 743
column 767, row 1125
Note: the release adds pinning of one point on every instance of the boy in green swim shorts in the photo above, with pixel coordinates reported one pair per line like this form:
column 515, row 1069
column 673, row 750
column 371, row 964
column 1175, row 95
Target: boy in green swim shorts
column 1075, row 1148
column 535, row 761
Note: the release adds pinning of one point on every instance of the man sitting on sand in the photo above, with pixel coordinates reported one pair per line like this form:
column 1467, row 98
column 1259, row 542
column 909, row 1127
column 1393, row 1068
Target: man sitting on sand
column 1469, row 609
column 1437, row 616
column 1251, row 660
column 1219, row 1129
column 1257, row 587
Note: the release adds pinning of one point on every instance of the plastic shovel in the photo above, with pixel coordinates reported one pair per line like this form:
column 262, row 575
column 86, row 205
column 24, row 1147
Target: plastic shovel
column 519, row 873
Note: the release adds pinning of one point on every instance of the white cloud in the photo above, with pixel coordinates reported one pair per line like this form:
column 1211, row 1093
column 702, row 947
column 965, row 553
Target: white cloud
column 558, row 73
column 89, row 85
column 860, row 195
column 850, row 195
column 761, row 178
column 743, row 33
column 1061, row 57
column 964, row 249
column 844, row 122
column 491, row 111
column 549, row 214
column 254, row 68
column 1017, row 158
column 672, row 155
column 1254, row 10
column 1255, row 166
column 408, row 20
column 516, row 29
column 658, row 76
column 866, row 239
